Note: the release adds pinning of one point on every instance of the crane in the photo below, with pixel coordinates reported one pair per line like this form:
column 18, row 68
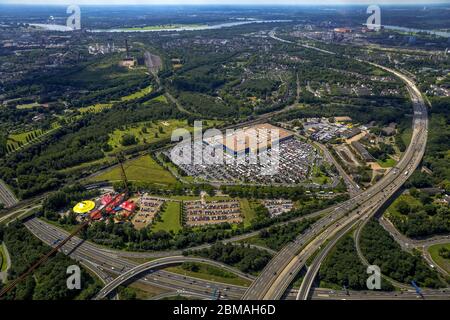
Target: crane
column 77, row 230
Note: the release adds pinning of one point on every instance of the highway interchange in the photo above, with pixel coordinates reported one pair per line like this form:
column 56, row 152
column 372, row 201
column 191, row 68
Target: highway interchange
column 283, row 268
column 309, row 249
column 108, row 265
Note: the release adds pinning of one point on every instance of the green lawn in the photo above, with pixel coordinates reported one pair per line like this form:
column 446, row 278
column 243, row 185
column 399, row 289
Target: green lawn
column 160, row 98
column 143, row 169
column 147, row 132
column 138, row 94
column 413, row 202
column 22, row 137
column 248, row 211
column 28, row 105
column 151, row 132
column 319, row 177
column 211, row 273
column 95, row 108
column 85, row 165
column 388, row 163
column 406, row 136
column 14, row 140
column 170, row 218
column 434, row 252
column 2, row 259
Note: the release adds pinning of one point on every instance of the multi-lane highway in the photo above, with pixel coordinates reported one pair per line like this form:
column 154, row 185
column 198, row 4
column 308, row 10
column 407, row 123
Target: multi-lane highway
column 308, row 249
column 320, row 238
column 107, row 265
column 7, row 197
column 158, row 263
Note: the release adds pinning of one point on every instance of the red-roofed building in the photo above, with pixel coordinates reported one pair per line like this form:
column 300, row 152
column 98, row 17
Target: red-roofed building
column 129, row 206
column 106, row 199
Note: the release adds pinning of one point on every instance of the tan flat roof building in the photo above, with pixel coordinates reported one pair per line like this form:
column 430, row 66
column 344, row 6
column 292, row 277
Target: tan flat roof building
column 258, row 137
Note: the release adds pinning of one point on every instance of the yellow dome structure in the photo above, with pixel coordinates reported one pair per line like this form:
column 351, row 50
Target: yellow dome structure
column 84, row 207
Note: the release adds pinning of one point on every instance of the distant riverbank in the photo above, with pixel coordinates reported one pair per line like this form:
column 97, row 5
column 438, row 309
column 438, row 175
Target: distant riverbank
column 414, row 30
column 191, row 27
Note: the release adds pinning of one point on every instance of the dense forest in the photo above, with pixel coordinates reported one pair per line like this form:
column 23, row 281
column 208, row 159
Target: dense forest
column 380, row 249
column 38, row 168
column 342, row 267
column 438, row 144
column 246, row 259
column 48, row 282
column 421, row 217
column 278, row 236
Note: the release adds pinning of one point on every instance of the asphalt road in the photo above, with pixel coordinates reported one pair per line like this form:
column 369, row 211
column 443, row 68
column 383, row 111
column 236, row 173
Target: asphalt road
column 390, row 183
column 282, row 269
column 102, row 261
column 7, row 197
column 107, row 265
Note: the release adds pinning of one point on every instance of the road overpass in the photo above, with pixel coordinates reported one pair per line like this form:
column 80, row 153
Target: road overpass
column 108, row 266
column 159, row 263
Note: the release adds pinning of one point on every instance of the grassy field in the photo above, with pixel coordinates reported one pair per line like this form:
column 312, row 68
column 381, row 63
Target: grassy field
column 434, row 252
column 413, row 202
column 14, row 140
column 319, row 177
column 211, row 273
column 147, row 132
column 95, row 108
column 143, row 169
column 406, row 136
column 388, row 163
column 22, row 137
column 248, row 211
column 138, row 94
column 85, row 165
column 102, row 106
column 2, row 259
column 28, row 105
column 160, row 98
column 150, row 132
column 170, row 218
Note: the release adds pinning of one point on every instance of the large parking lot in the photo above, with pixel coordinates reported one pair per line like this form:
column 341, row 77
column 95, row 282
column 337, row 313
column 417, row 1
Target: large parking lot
column 149, row 208
column 200, row 212
column 296, row 160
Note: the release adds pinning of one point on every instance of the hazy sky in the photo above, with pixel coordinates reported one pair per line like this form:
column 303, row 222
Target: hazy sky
column 215, row 2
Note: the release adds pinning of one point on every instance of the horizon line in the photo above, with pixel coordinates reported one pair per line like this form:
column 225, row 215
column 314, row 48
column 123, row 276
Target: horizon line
column 250, row 3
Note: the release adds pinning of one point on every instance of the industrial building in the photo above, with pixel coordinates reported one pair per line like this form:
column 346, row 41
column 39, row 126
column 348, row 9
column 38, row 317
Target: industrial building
column 250, row 139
